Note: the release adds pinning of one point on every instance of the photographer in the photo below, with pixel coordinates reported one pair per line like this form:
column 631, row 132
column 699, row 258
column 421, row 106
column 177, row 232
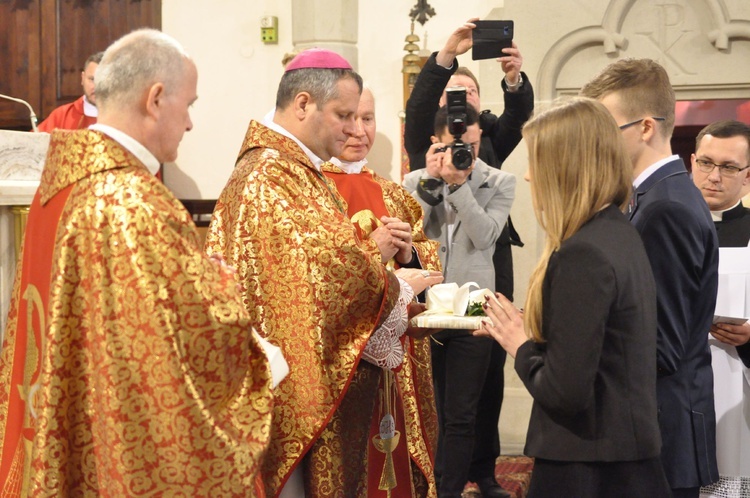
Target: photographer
column 500, row 134
column 465, row 210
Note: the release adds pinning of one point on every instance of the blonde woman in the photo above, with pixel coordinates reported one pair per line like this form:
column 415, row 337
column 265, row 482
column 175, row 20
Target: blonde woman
column 586, row 345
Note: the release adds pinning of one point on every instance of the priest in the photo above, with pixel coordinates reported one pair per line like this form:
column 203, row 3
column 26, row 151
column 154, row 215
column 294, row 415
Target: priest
column 389, row 221
column 82, row 112
column 310, row 285
column 129, row 366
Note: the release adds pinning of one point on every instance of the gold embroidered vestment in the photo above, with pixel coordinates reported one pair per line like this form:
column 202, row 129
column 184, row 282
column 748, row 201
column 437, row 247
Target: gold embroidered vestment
column 370, row 196
column 314, row 291
column 133, row 372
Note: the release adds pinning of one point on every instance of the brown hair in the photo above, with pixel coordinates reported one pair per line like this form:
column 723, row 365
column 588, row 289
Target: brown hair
column 577, row 165
column 644, row 89
column 464, row 71
column 95, row 58
column 725, row 129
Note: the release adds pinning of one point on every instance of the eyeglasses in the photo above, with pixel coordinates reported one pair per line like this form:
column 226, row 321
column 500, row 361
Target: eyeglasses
column 628, row 125
column 727, row 170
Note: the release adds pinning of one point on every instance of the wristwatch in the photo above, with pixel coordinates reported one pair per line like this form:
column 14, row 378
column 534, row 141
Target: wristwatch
column 454, row 186
column 515, row 87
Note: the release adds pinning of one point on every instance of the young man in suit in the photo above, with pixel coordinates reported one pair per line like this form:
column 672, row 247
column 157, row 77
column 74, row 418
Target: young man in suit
column 465, row 210
column 721, row 170
column 680, row 239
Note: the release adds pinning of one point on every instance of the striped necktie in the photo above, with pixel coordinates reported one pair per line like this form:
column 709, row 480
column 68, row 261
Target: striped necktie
column 632, row 203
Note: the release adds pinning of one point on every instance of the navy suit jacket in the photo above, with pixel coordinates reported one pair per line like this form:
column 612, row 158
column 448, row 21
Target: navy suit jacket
column 678, row 233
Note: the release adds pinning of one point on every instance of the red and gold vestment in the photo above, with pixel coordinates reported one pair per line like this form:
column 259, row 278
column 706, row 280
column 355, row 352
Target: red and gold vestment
column 369, row 197
column 67, row 117
column 314, row 291
column 129, row 367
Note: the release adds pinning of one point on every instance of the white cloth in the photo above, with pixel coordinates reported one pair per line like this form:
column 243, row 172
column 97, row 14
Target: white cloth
column 295, row 486
column 349, row 168
column 131, row 144
column 89, row 109
column 279, row 366
column 732, row 402
column 317, row 162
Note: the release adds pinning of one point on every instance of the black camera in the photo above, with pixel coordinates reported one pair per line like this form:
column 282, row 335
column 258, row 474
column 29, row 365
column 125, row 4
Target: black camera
column 462, row 153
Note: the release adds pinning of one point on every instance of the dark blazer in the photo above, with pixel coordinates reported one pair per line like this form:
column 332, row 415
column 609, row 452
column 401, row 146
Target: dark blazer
column 734, row 231
column 594, row 379
column 680, row 240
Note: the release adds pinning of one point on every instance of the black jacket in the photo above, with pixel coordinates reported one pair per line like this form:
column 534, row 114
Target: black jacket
column 594, row 379
column 500, row 134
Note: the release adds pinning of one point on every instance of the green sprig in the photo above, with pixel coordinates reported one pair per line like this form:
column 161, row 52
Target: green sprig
column 475, row 309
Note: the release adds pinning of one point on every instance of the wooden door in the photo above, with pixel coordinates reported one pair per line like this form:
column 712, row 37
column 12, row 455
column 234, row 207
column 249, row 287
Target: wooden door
column 20, row 61
column 44, row 44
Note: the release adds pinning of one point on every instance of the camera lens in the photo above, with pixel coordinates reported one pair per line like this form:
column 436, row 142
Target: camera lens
column 462, row 155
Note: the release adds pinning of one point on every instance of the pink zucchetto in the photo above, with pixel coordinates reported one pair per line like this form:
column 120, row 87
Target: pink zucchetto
column 317, row 58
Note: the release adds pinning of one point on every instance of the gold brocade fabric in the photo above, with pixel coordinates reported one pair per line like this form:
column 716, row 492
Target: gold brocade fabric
column 151, row 382
column 416, row 387
column 337, row 462
column 310, row 287
column 414, row 377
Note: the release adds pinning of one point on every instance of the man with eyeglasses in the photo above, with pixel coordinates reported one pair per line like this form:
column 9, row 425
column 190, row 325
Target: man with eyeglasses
column 720, row 171
column 681, row 244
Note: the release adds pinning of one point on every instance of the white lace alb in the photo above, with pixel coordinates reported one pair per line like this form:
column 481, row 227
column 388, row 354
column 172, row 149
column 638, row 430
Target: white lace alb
column 728, row 487
column 384, row 347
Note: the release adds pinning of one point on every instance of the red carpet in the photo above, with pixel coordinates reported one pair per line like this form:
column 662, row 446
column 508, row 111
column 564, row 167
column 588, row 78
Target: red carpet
column 512, row 472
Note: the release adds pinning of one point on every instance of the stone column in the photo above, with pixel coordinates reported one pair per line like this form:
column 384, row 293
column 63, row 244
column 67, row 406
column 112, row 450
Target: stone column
column 329, row 24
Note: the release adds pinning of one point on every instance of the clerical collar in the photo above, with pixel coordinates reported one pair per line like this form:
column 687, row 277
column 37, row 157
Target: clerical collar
column 89, row 109
column 349, row 168
column 131, row 144
column 652, row 169
column 719, row 215
column 270, row 123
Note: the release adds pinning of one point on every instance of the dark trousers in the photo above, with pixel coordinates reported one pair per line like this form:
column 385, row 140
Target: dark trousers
column 502, row 260
column 468, row 408
column 487, row 440
column 632, row 479
column 686, row 492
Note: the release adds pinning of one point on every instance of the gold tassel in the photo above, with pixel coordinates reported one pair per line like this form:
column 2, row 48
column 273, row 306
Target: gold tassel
column 388, row 439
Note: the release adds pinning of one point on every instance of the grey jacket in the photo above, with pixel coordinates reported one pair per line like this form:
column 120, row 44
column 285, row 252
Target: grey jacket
column 481, row 212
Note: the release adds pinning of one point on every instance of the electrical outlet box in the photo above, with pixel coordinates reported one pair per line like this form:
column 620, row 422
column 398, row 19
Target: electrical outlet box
column 269, row 29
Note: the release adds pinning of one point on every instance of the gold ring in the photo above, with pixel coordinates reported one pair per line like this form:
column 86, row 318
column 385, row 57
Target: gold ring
column 425, row 273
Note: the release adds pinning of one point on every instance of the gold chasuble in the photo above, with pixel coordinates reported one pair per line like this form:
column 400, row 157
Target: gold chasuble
column 129, row 367
column 314, row 291
column 369, row 197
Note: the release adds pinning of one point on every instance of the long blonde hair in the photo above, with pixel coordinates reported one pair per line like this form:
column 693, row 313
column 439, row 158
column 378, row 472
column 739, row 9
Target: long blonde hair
column 577, row 166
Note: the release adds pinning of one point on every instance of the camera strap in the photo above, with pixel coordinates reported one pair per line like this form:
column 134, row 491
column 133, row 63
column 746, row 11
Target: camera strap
column 426, row 186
